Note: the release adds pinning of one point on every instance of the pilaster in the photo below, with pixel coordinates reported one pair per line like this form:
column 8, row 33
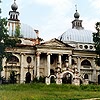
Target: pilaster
column 79, row 63
column 48, row 64
column 70, row 60
column 38, row 64
column 22, row 60
column 59, row 58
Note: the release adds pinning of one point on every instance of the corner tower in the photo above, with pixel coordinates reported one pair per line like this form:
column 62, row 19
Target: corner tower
column 13, row 21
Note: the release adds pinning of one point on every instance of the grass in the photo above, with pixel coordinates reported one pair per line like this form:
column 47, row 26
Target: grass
column 41, row 91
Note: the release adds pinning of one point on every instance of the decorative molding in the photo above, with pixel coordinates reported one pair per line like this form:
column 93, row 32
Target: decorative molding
column 48, row 53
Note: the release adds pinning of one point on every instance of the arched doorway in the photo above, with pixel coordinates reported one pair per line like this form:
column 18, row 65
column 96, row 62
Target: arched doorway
column 12, row 68
column 12, row 77
column 86, row 76
column 52, row 79
column 67, row 78
column 28, row 77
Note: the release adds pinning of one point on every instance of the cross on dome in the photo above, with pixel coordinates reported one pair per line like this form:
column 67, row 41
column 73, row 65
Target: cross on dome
column 76, row 7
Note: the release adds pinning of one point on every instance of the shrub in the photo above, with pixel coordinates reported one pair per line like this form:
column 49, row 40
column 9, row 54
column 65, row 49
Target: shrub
column 40, row 80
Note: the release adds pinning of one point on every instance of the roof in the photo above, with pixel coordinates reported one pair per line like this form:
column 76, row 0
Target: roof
column 26, row 31
column 75, row 35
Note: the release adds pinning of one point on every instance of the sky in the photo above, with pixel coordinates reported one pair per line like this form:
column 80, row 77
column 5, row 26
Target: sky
column 53, row 17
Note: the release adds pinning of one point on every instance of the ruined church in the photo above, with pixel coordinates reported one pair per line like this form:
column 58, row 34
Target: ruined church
column 69, row 58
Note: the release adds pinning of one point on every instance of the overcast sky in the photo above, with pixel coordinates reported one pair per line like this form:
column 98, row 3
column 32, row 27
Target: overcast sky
column 54, row 17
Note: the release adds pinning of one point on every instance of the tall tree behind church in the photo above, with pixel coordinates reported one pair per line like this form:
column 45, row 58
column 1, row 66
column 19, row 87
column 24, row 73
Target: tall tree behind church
column 96, row 39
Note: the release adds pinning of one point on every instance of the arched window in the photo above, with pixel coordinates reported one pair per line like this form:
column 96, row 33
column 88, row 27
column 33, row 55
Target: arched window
column 86, row 76
column 86, row 64
column 12, row 59
column 11, row 16
column 16, row 17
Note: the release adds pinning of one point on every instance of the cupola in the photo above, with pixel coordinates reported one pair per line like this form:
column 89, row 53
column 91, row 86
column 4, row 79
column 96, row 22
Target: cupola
column 77, row 24
column 14, row 13
column 14, row 6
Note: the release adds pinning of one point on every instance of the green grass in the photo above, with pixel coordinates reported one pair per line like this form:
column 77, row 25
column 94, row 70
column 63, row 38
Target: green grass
column 41, row 91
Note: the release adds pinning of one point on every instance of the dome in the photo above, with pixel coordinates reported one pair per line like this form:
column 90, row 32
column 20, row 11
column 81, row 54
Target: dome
column 14, row 6
column 26, row 31
column 76, row 15
column 75, row 35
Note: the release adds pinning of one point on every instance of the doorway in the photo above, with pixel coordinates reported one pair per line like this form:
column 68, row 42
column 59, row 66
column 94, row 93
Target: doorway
column 67, row 78
column 28, row 77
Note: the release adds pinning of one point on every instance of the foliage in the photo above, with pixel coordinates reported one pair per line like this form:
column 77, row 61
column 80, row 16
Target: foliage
column 40, row 80
column 39, row 91
column 5, row 41
column 17, row 31
column 96, row 39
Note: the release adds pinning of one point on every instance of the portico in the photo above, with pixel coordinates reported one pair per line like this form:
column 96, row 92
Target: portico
column 52, row 53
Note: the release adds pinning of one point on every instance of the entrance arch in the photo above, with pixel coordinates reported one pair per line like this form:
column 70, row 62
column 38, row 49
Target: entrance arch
column 52, row 78
column 12, row 77
column 67, row 77
column 28, row 77
column 86, row 76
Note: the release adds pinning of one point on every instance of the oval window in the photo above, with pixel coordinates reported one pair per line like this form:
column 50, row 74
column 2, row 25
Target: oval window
column 29, row 59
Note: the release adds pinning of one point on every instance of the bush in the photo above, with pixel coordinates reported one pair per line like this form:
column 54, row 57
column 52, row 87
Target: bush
column 40, row 80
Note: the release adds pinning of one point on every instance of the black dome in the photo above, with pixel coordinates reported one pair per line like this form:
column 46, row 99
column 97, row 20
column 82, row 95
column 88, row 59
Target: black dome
column 76, row 15
column 14, row 6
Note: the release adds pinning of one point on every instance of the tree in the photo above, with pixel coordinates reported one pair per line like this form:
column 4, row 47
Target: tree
column 17, row 31
column 96, row 39
column 5, row 41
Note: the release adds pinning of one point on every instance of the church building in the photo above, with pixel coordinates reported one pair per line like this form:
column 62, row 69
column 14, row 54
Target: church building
column 71, row 54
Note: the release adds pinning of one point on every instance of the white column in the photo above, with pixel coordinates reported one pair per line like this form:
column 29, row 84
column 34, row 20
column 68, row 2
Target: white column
column 22, row 77
column 34, row 61
column 3, row 72
column 70, row 60
column 59, row 58
column 94, row 71
column 38, row 65
column 79, row 64
column 48, row 64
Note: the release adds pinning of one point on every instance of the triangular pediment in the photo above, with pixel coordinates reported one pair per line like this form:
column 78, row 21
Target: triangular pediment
column 55, row 43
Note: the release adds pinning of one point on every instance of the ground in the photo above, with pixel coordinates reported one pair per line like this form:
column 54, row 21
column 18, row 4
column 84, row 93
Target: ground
column 40, row 91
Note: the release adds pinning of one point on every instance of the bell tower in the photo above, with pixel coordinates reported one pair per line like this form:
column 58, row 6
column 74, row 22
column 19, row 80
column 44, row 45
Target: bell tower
column 13, row 21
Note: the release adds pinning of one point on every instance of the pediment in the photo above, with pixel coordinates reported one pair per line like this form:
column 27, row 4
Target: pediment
column 55, row 43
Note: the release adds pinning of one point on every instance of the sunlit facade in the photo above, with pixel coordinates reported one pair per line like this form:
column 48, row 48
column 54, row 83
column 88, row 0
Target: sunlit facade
column 33, row 59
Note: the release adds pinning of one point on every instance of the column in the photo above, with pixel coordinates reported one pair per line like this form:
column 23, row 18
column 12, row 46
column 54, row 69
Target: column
column 34, row 61
column 79, row 64
column 59, row 60
column 38, row 65
column 94, row 71
column 70, row 60
column 3, row 72
column 48, row 64
column 22, row 77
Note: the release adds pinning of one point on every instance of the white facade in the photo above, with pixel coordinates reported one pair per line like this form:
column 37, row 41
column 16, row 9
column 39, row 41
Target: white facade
column 44, row 59
column 32, row 59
